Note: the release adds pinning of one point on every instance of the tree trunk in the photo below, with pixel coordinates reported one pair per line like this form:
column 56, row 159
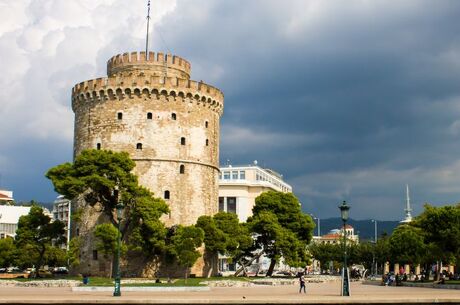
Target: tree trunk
column 271, row 268
column 248, row 264
column 186, row 271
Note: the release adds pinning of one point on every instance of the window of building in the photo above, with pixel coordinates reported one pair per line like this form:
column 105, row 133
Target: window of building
column 221, row 204
column 207, row 142
column 206, row 124
column 120, row 115
column 242, row 175
column 78, row 232
column 182, row 169
column 139, row 146
column 231, row 205
column 234, row 175
column 166, row 195
column 95, row 255
column 226, row 175
column 98, row 146
column 149, row 115
column 173, row 116
column 182, row 141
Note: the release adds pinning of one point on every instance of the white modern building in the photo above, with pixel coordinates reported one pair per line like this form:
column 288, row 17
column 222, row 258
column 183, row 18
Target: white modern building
column 240, row 185
column 61, row 212
column 9, row 218
column 238, row 188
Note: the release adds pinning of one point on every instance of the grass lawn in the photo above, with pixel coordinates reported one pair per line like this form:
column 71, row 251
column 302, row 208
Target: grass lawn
column 453, row 282
column 104, row 281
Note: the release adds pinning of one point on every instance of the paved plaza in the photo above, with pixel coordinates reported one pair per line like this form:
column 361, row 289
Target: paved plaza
column 317, row 293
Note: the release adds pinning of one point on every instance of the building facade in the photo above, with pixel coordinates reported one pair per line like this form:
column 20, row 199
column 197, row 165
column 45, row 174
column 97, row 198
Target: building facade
column 335, row 236
column 9, row 218
column 61, row 212
column 6, row 197
column 148, row 106
column 240, row 185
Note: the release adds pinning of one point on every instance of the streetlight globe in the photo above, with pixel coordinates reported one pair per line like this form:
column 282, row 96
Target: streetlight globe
column 344, row 208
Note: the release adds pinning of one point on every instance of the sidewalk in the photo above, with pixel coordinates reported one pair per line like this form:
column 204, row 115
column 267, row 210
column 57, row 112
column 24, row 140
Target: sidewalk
column 318, row 293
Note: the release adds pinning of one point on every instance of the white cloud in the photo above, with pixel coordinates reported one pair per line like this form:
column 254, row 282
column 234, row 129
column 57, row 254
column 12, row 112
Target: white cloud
column 47, row 46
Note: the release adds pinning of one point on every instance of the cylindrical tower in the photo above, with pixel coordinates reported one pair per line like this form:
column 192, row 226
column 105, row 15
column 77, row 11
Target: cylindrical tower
column 169, row 125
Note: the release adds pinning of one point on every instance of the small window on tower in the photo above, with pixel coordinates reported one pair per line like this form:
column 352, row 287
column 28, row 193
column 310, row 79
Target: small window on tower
column 149, row 116
column 206, row 124
column 166, row 195
column 182, row 141
column 95, row 255
column 139, row 146
column 182, row 169
column 173, row 116
column 120, row 115
column 98, row 146
column 207, row 142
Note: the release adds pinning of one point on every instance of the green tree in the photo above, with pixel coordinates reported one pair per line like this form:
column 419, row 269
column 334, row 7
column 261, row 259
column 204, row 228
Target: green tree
column 407, row 245
column 185, row 242
column 73, row 255
column 441, row 228
column 224, row 234
column 281, row 228
column 105, row 177
column 382, row 250
column 7, row 252
column 36, row 233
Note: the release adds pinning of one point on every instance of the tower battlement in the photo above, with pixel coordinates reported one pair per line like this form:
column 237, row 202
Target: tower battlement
column 154, row 63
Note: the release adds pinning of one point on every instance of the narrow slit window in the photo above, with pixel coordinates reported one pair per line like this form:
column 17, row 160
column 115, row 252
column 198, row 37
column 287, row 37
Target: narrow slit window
column 207, row 142
column 120, row 115
column 139, row 146
column 206, row 124
column 95, row 255
column 182, row 169
column 182, row 141
column 173, row 116
column 98, row 146
column 149, row 115
column 166, row 195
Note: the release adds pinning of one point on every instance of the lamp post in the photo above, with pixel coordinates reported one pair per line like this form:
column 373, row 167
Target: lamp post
column 374, row 263
column 319, row 224
column 344, row 208
column 117, row 291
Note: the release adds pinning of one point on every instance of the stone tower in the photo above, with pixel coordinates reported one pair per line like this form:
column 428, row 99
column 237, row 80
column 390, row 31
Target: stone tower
column 169, row 125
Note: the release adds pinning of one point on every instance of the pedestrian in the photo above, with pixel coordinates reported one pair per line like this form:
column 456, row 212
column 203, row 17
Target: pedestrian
column 302, row 284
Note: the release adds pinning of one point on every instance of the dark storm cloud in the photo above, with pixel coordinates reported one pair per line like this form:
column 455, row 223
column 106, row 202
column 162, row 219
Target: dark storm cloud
column 347, row 99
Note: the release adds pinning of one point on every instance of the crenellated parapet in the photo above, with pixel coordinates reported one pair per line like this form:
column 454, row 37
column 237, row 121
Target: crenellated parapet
column 159, row 64
column 147, row 86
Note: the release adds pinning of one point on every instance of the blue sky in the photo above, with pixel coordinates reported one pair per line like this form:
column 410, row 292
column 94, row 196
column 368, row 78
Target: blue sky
column 347, row 99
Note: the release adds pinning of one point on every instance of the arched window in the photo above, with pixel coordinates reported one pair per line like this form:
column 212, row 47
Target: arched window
column 120, row 115
column 207, row 142
column 98, row 146
column 206, row 124
column 149, row 116
column 182, row 169
column 139, row 146
column 182, row 141
column 166, row 194
column 173, row 116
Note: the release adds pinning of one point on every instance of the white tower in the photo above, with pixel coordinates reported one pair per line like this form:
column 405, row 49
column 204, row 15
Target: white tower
column 407, row 209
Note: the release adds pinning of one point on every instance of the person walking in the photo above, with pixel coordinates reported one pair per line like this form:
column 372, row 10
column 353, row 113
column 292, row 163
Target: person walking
column 302, row 284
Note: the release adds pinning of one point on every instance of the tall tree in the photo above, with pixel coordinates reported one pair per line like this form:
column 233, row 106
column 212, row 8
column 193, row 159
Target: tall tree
column 105, row 177
column 282, row 229
column 185, row 242
column 407, row 244
column 7, row 252
column 36, row 233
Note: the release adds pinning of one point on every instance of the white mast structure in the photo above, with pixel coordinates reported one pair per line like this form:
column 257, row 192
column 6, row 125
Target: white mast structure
column 407, row 209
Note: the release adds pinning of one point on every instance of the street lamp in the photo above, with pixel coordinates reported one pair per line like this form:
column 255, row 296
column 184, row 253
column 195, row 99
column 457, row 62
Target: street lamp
column 117, row 292
column 375, row 244
column 319, row 224
column 344, row 208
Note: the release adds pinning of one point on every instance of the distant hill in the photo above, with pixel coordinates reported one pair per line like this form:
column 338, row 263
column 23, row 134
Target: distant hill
column 364, row 227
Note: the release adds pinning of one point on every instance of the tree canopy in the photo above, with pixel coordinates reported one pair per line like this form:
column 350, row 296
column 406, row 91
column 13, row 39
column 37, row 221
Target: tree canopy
column 36, row 233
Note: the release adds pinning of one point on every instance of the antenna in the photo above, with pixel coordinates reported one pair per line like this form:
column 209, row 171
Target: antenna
column 147, row 34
